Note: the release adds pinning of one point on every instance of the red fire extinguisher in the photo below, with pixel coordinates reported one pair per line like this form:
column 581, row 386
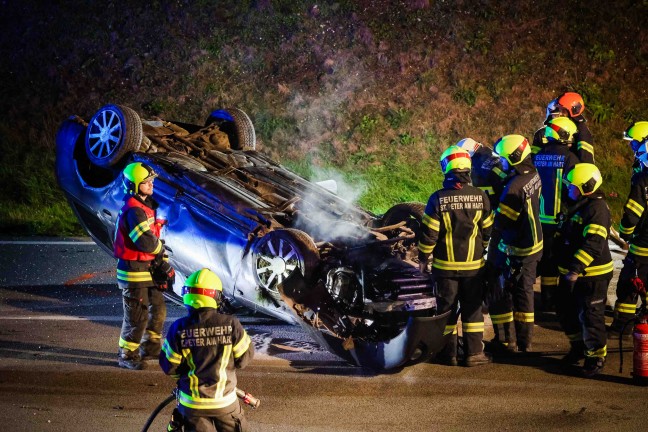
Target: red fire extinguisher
column 639, row 338
column 640, row 352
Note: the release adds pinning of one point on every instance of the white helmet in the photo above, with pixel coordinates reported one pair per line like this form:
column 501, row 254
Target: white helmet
column 469, row 144
column 553, row 110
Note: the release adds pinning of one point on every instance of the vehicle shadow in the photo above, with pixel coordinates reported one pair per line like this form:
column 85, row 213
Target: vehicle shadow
column 550, row 362
column 44, row 352
column 83, row 300
column 338, row 368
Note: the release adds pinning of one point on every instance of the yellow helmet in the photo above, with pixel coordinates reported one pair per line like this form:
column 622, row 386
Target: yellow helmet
column 513, row 148
column 455, row 158
column 469, row 144
column 585, row 177
column 134, row 174
column 637, row 134
column 561, row 129
column 202, row 289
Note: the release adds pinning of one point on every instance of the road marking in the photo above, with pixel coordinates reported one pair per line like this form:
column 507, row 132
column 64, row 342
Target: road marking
column 57, row 243
column 61, row 318
column 84, row 277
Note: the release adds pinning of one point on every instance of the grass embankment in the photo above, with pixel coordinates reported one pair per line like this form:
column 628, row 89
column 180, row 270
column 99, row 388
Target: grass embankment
column 366, row 91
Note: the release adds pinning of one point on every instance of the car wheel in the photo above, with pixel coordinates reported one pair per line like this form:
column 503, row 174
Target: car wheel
column 237, row 125
column 113, row 131
column 279, row 254
column 412, row 214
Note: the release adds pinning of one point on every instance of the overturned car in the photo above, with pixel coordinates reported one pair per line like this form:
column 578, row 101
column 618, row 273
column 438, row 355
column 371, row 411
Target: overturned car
column 282, row 245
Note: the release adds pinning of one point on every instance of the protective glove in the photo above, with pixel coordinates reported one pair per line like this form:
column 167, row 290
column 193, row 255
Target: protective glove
column 570, row 280
column 163, row 275
column 423, row 267
column 493, row 289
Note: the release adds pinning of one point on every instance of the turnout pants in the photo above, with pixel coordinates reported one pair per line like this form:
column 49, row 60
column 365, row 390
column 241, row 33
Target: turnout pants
column 468, row 292
column 514, row 304
column 144, row 315
column 626, row 302
column 548, row 268
column 233, row 421
column 581, row 313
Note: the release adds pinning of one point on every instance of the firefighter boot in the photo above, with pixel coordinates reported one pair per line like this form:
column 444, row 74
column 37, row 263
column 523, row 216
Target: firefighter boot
column 150, row 350
column 130, row 359
column 524, row 332
column 448, row 355
column 593, row 366
column 576, row 353
column 547, row 298
column 504, row 343
column 478, row 359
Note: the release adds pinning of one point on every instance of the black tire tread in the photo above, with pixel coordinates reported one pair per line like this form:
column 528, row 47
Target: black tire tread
column 245, row 134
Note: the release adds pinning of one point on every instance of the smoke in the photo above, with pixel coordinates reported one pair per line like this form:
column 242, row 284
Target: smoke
column 328, row 218
column 348, row 191
column 317, row 113
column 318, row 120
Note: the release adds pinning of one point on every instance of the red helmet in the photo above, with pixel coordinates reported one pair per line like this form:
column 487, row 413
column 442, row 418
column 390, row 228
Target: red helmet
column 573, row 103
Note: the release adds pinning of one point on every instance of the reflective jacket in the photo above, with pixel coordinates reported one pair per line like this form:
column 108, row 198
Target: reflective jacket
column 552, row 162
column 517, row 219
column 634, row 227
column 202, row 350
column 583, row 247
column 487, row 174
column 136, row 241
column 456, row 227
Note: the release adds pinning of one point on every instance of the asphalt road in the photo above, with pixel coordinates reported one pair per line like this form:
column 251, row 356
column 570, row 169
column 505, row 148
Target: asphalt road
column 60, row 314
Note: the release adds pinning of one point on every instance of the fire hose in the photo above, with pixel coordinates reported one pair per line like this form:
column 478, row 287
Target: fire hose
column 247, row 399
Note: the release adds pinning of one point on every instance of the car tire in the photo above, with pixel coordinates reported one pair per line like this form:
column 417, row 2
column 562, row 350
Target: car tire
column 412, row 214
column 237, row 125
column 409, row 212
column 280, row 253
column 112, row 133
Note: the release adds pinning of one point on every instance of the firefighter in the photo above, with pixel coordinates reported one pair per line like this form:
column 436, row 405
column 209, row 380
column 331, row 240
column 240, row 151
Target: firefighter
column 456, row 227
column 633, row 229
column 586, row 269
column 203, row 350
column 552, row 161
column 569, row 105
column 137, row 247
column 516, row 246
